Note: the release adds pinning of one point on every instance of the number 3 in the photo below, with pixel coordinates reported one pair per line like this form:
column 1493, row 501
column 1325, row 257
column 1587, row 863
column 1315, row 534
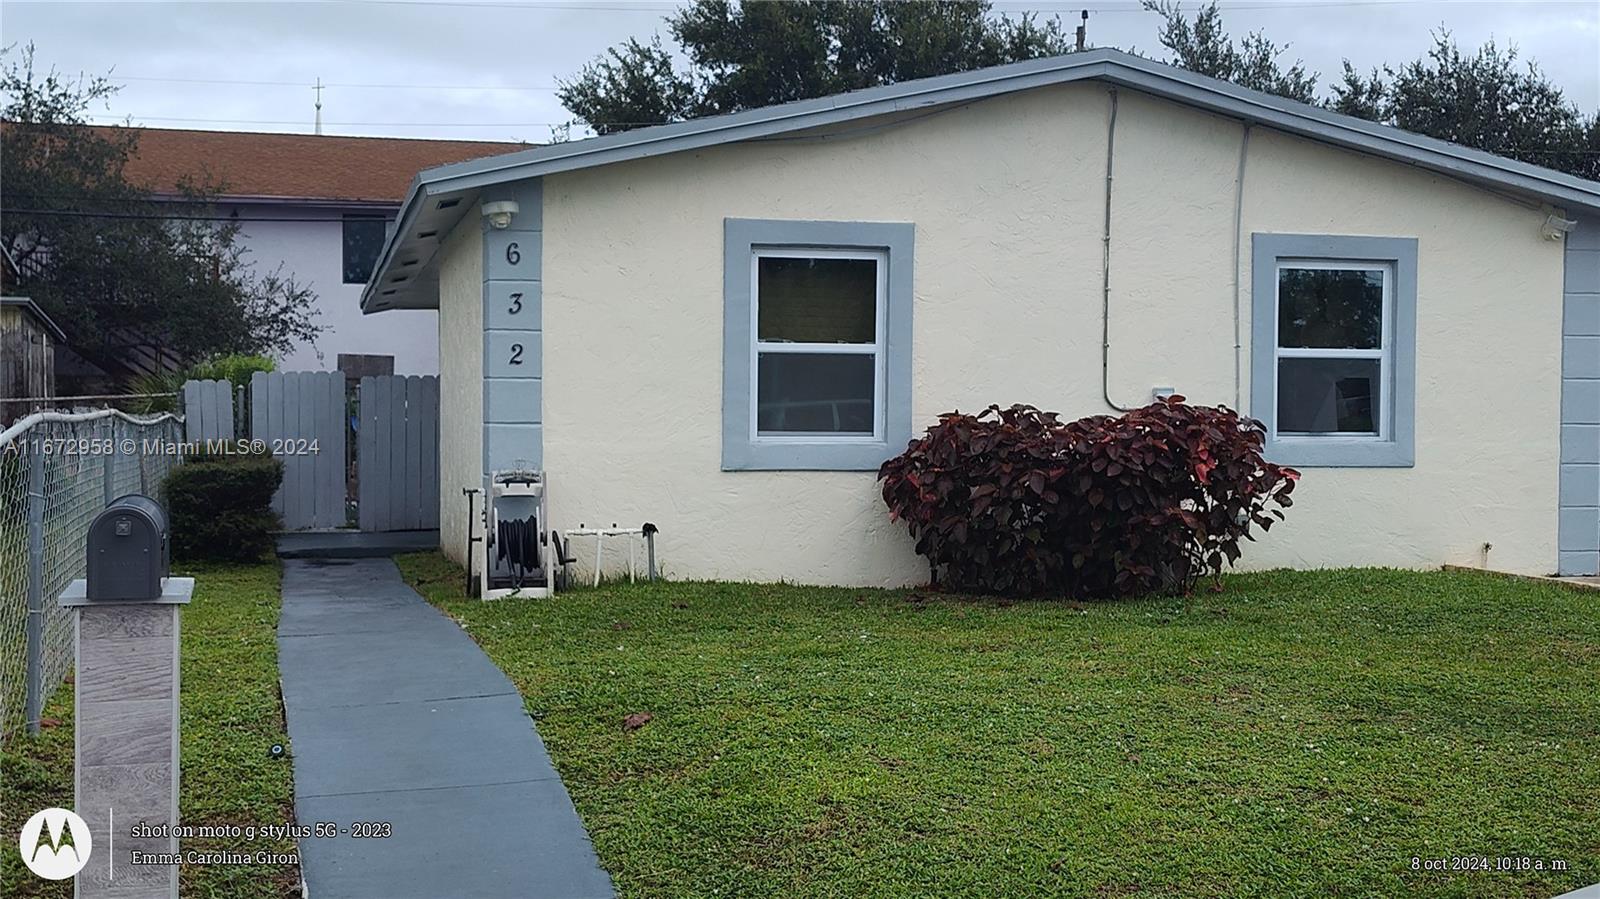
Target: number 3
column 513, row 254
column 516, row 304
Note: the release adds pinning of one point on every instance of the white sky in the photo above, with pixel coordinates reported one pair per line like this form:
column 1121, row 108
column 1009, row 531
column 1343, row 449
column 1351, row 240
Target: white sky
column 460, row 68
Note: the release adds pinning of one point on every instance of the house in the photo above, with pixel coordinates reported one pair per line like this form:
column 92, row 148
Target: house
column 28, row 339
column 319, row 206
column 748, row 313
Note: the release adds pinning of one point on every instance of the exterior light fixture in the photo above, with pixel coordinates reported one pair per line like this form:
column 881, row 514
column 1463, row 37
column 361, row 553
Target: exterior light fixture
column 499, row 213
column 1556, row 225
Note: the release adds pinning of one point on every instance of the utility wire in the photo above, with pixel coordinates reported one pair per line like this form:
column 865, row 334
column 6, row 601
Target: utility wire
column 1065, row 6
column 302, row 122
column 574, row 121
column 349, row 84
column 152, row 216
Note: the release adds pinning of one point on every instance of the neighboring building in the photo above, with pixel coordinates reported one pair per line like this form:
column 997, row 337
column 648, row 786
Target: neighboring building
column 318, row 205
column 27, row 358
column 749, row 313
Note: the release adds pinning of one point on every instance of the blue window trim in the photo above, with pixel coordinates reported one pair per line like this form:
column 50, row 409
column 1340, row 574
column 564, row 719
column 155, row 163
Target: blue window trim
column 1335, row 452
column 741, row 452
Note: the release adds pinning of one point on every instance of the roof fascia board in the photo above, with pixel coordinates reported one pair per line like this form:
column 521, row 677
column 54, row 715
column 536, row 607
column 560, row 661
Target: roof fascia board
column 1358, row 134
column 948, row 90
column 409, row 210
column 1111, row 66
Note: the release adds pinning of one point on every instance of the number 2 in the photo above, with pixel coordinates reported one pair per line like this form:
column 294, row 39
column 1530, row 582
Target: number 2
column 516, row 304
column 516, row 354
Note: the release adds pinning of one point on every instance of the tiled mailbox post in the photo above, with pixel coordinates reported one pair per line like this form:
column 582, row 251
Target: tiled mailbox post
column 126, row 706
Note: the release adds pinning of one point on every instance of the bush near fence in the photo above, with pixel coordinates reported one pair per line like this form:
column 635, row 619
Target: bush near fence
column 221, row 506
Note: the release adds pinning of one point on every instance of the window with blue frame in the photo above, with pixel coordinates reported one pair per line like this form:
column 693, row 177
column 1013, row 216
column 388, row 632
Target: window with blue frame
column 1334, row 349
column 816, row 344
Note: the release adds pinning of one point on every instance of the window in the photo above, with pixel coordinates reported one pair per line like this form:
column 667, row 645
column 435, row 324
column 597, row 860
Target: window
column 1334, row 348
column 817, row 355
column 817, row 368
column 363, row 241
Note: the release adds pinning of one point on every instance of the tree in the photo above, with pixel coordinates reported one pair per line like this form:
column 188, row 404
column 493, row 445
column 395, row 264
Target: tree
column 747, row 55
column 1205, row 47
column 630, row 86
column 1483, row 100
column 119, row 272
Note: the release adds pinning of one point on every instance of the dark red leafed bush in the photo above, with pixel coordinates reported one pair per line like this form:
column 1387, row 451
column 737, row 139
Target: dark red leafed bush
column 1016, row 502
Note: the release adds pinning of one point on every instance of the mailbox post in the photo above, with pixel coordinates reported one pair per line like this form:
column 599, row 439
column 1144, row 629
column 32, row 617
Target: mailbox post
column 126, row 616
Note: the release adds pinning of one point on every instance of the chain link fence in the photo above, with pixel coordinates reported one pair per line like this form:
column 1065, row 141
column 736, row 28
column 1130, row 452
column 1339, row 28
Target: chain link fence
column 57, row 471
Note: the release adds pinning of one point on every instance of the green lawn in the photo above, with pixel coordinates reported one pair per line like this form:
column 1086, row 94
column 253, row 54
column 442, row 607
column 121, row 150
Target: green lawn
column 231, row 717
column 1296, row 734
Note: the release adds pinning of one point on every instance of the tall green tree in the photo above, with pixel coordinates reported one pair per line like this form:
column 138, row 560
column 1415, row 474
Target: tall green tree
column 1484, row 99
column 120, row 272
column 746, row 55
column 1204, row 46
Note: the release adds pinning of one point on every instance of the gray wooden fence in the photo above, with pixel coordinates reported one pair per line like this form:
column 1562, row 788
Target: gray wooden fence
column 397, row 453
column 301, row 415
column 208, row 410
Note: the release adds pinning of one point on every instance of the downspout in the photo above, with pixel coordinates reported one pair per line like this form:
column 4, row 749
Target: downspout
column 1105, row 265
column 1238, row 249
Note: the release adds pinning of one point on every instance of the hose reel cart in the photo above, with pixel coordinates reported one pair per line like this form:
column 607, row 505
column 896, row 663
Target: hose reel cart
column 518, row 557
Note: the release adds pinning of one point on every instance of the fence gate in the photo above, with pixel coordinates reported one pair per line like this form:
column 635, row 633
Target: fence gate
column 208, row 410
column 397, row 453
column 301, row 415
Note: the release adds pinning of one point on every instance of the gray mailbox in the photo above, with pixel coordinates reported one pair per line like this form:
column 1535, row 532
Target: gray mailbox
column 126, row 617
column 128, row 551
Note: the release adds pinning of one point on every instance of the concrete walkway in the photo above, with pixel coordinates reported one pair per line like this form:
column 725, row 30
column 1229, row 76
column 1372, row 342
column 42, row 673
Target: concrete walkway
column 348, row 544
column 395, row 716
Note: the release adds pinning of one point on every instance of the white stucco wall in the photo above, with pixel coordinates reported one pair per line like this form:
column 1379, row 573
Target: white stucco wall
column 1007, row 196
column 460, row 381
column 313, row 251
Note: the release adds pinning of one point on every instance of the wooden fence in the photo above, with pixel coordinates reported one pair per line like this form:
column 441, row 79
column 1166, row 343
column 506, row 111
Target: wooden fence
column 397, row 453
column 302, row 417
column 208, row 411
column 306, row 420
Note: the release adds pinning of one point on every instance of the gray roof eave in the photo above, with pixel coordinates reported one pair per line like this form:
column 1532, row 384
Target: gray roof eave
column 1112, row 66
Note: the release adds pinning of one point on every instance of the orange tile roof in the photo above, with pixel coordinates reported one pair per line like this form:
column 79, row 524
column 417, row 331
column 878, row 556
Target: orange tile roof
column 304, row 166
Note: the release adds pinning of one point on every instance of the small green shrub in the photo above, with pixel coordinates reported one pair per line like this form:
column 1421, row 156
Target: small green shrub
column 221, row 506
column 234, row 367
column 161, row 391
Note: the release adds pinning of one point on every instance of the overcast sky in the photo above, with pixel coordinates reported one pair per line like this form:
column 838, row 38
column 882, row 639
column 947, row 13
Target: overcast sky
column 458, row 68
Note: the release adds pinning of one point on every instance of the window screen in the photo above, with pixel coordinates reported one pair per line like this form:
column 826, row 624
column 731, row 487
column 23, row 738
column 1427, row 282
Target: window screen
column 1332, row 355
column 818, row 349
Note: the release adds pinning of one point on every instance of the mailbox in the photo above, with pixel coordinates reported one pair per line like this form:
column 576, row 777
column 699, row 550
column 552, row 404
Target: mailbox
column 128, row 553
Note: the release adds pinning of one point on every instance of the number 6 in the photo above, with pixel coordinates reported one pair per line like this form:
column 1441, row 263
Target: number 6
column 513, row 254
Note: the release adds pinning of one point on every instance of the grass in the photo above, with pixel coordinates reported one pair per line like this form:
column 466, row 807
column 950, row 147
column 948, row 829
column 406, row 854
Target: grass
column 1298, row 734
column 231, row 716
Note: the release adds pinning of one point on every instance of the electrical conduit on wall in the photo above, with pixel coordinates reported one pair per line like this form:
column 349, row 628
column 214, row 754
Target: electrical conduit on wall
column 1105, row 263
